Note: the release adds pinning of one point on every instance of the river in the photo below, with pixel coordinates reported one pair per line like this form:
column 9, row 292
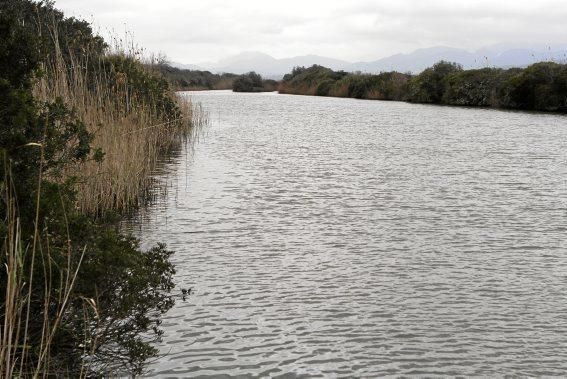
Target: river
column 327, row 237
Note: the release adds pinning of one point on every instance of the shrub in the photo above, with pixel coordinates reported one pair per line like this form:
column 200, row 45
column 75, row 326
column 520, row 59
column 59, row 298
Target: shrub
column 474, row 87
column 250, row 82
column 541, row 86
column 430, row 85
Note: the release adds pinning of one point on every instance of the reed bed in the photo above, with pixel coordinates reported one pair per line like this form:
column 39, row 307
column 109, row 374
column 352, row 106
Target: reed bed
column 130, row 131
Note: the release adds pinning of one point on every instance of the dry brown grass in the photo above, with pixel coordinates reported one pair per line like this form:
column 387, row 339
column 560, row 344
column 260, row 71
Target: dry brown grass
column 374, row 94
column 298, row 89
column 129, row 131
column 224, row 84
column 339, row 90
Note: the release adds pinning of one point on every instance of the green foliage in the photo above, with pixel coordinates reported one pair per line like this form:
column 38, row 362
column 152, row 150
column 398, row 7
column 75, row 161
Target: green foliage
column 474, row 87
column 253, row 82
column 392, row 85
column 358, row 86
column 45, row 23
column 24, row 124
column 186, row 80
column 295, row 72
column 134, row 82
column 324, row 87
column 130, row 289
column 313, row 74
column 430, row 85
column 120, row 294
column 113, row 313
column 250, row 82
column 542, row 86
column 321, row 81
column 314, row 80
column 18, row 50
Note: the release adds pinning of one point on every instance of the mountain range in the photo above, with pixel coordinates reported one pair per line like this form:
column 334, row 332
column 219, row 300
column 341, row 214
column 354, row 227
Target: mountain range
column 501, row 55
column 264, row 64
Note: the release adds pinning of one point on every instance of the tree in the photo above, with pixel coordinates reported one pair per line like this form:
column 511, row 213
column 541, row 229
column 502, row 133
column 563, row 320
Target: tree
column 430, row 85
column 250, row 82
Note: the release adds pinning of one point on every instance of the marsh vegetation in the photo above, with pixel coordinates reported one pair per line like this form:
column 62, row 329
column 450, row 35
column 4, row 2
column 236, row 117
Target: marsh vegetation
column 82, row 127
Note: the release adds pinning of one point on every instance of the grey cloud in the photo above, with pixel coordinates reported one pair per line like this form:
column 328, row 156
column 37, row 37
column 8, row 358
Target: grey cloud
column 194, row 31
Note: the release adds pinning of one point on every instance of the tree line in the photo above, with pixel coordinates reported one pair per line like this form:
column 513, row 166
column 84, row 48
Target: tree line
column 540, row 87
column 197, row 80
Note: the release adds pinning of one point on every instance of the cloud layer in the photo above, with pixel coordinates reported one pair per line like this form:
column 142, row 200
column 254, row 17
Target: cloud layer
column 196, row 31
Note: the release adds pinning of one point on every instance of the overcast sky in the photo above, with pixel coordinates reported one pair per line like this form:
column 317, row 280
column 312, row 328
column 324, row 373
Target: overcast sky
column 191, row 31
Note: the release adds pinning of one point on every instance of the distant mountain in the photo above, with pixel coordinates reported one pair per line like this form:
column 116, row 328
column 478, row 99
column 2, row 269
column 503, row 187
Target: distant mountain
column 310, row 60
column 263, row 64
column 416, row 61
column 186, row 66
column 503, row 55
column 268, row 66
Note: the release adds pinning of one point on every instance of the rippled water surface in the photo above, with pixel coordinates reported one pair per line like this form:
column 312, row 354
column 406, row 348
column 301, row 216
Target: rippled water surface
column 342, row 238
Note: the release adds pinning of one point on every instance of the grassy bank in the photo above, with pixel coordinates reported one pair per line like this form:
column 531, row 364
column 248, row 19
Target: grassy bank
column 82, row 127
column 539, row 87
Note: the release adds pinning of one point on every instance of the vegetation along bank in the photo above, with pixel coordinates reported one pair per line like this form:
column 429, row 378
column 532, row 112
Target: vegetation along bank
column 539, row 87
column 82, row 127
column 196, row 80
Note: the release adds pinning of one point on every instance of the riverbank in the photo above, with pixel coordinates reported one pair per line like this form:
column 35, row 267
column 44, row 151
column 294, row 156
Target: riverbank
column 82, row 127
column 539, row 87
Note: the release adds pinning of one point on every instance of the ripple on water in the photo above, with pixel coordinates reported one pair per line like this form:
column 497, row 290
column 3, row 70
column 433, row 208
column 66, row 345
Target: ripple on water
column 341, row 238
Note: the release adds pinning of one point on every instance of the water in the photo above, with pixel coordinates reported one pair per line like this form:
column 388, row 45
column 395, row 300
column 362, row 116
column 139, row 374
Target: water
column 343, row 238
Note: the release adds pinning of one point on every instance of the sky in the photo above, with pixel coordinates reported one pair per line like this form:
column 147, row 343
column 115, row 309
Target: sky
column 191, row 32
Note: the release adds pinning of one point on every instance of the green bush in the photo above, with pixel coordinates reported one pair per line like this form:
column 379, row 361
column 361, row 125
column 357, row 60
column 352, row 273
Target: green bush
column 250, row 82
column 113, row 311
column 474, row 87
column 358, row 86
column 430, row 85
column 542, row 86
column 186, row 80
column 324, row 87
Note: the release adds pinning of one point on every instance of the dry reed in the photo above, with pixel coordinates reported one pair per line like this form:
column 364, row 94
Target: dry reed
column 129, row 130
column 133, row 133
column 14, row 330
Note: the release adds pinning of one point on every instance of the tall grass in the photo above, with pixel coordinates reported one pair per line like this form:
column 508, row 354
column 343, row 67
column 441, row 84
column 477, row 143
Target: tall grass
column 20, row 272
column 129, row 130
column 13, row 306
